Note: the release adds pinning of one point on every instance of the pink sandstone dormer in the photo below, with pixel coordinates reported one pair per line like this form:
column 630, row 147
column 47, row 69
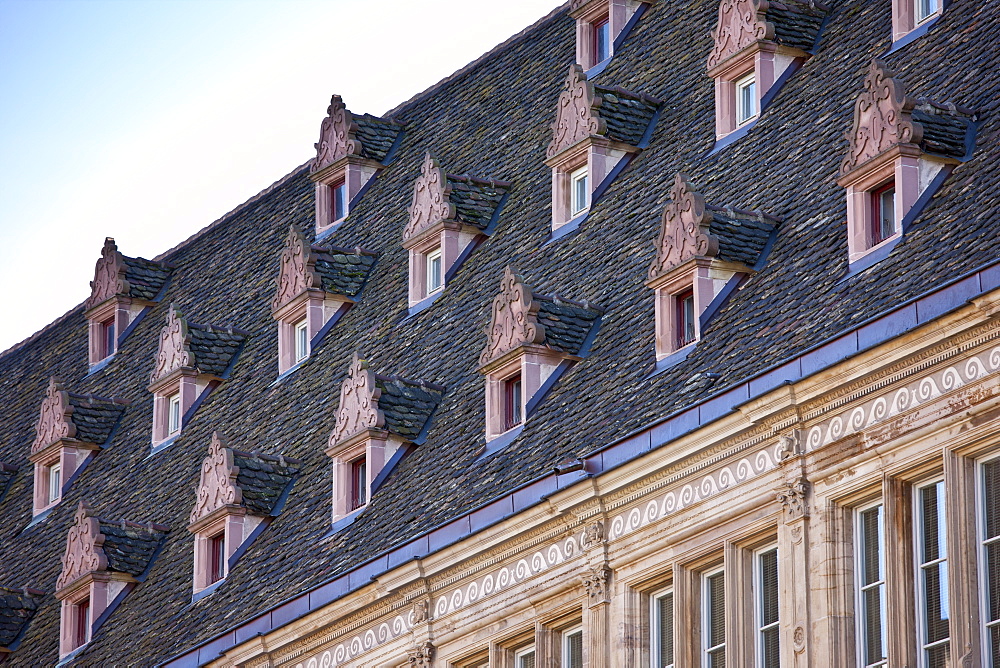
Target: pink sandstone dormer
column 699, row 251
column 222, row 520
column 448, row 215
column 314, row 285
column 749, row 56
column 599, row 24
column 521, row 353
column 350, row 152
column 911, row 15
column 123, row 289
column 369, row 436
column 192, row 360
column 60, row 447
column 899, row 149
column 102, row 563
column 584, row 150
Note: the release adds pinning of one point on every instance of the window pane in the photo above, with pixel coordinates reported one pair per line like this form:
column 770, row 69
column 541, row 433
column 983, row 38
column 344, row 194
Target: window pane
column 991, row 487
column 55, row 482
column 872, row 618
column 770, row 650
column 339, row 201
column 769, row 587
column 174, row 414
column 109, row 337
column 717, row 659
column 602, row 41
column 716, row 609
column 433, row 272
column 991, row 558
column 301, row 342
column 871, row 532
column 574, row 650
column 526, row 660
column 872, row 586
column 579, row 195
column 887, row 213
column 665, row 630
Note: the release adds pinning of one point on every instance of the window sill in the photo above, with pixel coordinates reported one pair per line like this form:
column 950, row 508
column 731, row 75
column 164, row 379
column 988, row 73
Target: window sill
column 328, row 230
column 872, row 256
column 569, row 227
column 734, row 136
column 424, row 303
column 673, row 359
column 207, row 591
column 41, row 516
column 162, row 445
column 347, row 520
column 94, row 368
column 287, row 372
column 498, row 443
column 914, row 34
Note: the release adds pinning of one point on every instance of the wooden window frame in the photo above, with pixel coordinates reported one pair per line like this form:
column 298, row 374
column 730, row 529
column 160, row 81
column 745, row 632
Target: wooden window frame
column 595, row 33
column 860, row 587
column 300, row 329
column 875, row 232
column 655, row 641
column 760, row 628
column 430, row 258
column 748, row 80
column 174, row 427
column 359, row 483
column 575, row 177
column 338, row 200
column 513, row 401
column 681, row 318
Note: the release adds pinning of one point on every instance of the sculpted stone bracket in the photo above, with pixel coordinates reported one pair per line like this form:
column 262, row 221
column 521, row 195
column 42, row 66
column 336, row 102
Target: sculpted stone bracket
column 84, row 548
column 359, row 397
column 792, row 497
column 577, row 113
column 55, row 420
column 421, row 655
column 683, row 230
column 741, row 23
column 597, row 583
column 337, row 136
column 217, row 487
column 175, row 347
column 297, row 272
column 514, row 322
column 431, row 199
column 109, row 276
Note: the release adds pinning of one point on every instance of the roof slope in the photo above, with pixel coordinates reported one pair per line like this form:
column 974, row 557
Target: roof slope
column 495, row 119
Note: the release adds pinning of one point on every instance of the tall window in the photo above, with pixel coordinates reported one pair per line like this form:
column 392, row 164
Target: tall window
column 55, row 482
column 81, row 623
column 216, row 558
column 301, row 341
column 684, row 306
column 578, row 190
column 870, row 569
column 713, row 625
column 746, row 98
column 108, row 337
column 602, row 40
column 989, row 527
column 662, row 626
column 359, row 483
column 339, row 193
column 512, row 402
column 883, row 207
column 766, row 603
column 434, row 278
column 932, row 575
column 525, row 658
column 926, row 9
column 572, row 650
column 174, row 414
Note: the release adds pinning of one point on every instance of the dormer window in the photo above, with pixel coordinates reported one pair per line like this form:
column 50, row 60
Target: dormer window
column 602, row 39
column 217, row 558
column 123, row 290
column 449, row 216
column 899, row 149
column 351, row 150
column 359, row 483
column 80, row 615
column 926, row 9
column 53, row 481
column 316, row 285
column 746, row 99
column 522, row 353
column 600, row 24
column 701, row 249
column 585, row 150
column 911, row 18
column 173, row 414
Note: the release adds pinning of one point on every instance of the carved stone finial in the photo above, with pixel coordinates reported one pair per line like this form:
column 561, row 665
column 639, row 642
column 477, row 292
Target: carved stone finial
column 577, row 113
column 881, row 118
column 358, row 403
column 175, row 346
column 297, row 272
column 422, row 655
column 337, row 136
column 597, row 580
column 593, row 534
column 55, row 419
column 109, row 276
column 793, row 498
column 218, row 486
column 514, row 322
column 84, row 551
column 740, row 24
column 683, row 229
column 430, row 202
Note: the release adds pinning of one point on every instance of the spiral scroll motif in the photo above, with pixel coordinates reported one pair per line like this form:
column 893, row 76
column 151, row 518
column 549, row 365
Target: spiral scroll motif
column 683, row 229
column 297, row 271
column 741, row 23
column 55, row 419
column 514, row 321
column 577, row 113
column 218, row 486
column 358, row 403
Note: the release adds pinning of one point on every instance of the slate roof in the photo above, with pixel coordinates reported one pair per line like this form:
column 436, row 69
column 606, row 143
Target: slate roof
column 7, row 474
column 475, row 200
column 407, row 405
column 742, row 235
column 145, row 277
column 343, row 271
column 377, row 136
column 796, row 24
column 566, row 323
column 129, row 547
column 94, row 417
column 16, row 610
column 214, row 348
column 495, row 118
column 262, row 480
column 627, row 114
column 946, row 131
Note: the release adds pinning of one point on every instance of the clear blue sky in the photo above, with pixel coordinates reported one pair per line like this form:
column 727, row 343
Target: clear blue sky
column 146, row 120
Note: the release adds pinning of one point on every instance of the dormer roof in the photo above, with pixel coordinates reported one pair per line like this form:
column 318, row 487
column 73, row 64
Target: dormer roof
column 586, row 110
column 17, row 607
column 205, row 349
column 118, row 275
column 80, row 417
column 743, row 23
column 343, row 134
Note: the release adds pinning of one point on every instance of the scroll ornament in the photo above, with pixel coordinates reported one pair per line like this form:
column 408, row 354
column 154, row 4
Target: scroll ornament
column 882, row 118
column 359, row 409
column 684, row 229
column 174, row 351
column 430, row 202
column 55, row 421
column 741, row 23
column 109, row 276
column 218, row 486
column 297, row 272
column 337, row 136
column 514, row 322
column 577, row 113
column 84, row 551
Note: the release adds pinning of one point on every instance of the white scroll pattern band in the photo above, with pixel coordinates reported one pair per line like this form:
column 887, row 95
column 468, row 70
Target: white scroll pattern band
column 904, row 399
column 362, row 642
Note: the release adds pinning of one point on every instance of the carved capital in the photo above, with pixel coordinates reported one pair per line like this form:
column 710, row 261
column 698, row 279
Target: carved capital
column 84, row 548
column 597, row 582
column 337, row 136
column 175, row 346
column 741, row 23
column 882, row 118
column 430, row 203
column 683, row 229
column 421, row 655
column 297, row 272
column 109, row 276
column 577, row 113
column 55, row 419
column 593, row 534
column 217, row 487
column 792, row 497
column 358, row 403
column 515, row 319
